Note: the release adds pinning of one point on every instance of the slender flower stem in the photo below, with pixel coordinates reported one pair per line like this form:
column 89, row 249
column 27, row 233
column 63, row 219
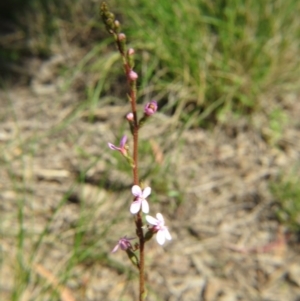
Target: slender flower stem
column 135, row 139
column 139, row 224
column 113, row 28
column 138, row 219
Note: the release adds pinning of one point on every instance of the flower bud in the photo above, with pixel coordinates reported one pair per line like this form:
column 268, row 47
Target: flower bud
column 117, row 24
column 132, row 75
column 110, row 15
column 121, row 37
column 130, row 117
column 149, row 234
column 130, row 51
column 124, row 244
column 133, row 258
column 150, row 108
column 130, row 57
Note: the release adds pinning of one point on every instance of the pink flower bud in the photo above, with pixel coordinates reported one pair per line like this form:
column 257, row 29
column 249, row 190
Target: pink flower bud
column 123, row 244
column 130, row 51
column 132, row 75
column 150, row 108
column 121, row 36
column 130, row 116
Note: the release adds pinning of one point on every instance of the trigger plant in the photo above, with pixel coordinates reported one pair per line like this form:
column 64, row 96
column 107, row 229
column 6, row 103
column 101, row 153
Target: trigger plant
column 140, row 205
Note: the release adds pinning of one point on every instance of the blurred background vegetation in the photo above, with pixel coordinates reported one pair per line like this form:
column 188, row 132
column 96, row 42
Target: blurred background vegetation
column 200, row 59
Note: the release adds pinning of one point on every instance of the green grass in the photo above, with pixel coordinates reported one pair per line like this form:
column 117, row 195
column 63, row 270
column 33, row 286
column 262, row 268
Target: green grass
column 199, row 59
column 286, row 191
column 205, row 58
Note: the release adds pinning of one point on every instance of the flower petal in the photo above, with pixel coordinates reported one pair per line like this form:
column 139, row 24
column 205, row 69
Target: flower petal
column 151, row 220
column 167, row 234
column 136, row 190
column 160, row 218
column 123, row 141
column 145, row 206
column 115, row 248
column 135, row 207
column 113, row 147
column 160, row 237
column 146, row 192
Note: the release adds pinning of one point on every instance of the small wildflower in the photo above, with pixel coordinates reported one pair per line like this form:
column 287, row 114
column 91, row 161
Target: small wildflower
column 140, row 199
column 123, row 244
column 162, row 232
column 132, row 75
column 122, row 149
column 150, row 108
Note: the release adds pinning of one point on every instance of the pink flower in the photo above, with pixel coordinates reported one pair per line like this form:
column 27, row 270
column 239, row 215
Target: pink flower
column 159, row 227
column 123, row 243
column 140, row 199
column 122, row 149
column 150, row 108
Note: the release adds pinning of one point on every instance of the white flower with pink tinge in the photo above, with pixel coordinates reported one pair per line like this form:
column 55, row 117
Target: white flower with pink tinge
column 162, row 232
column 140, row 199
